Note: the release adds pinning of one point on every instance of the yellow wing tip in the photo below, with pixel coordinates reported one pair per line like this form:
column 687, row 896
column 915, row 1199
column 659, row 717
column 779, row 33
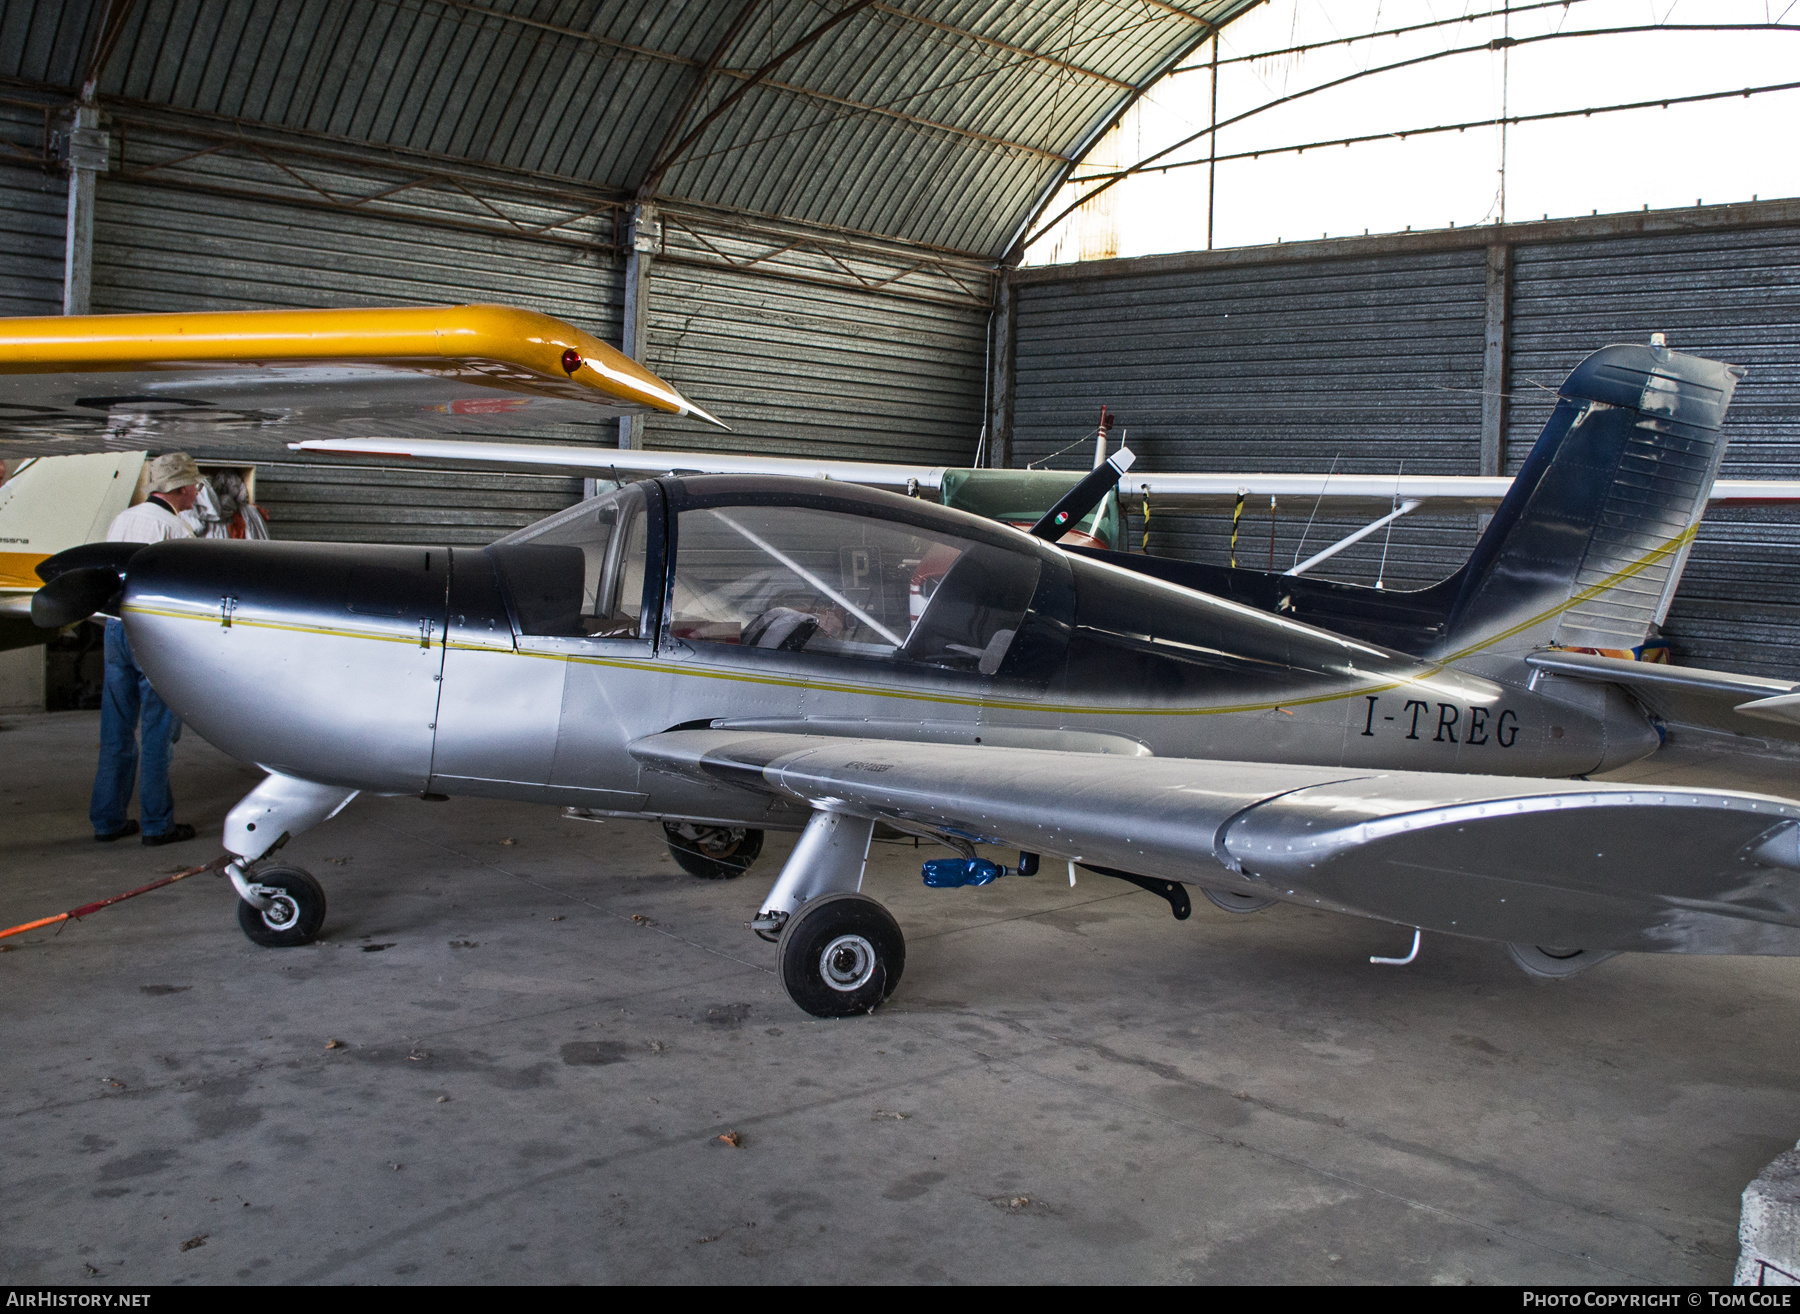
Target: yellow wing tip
column 526, row 339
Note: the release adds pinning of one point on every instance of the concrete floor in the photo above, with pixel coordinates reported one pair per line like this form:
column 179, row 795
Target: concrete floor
column 546, row 1025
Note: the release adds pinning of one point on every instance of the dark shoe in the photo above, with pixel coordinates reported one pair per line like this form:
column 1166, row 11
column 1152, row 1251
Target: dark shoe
column 173, row 835
column 129, row 828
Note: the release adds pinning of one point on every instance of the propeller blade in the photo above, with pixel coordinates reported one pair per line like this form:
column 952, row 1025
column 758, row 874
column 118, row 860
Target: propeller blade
column 112, row 556
column 1083, row 498
column 75, row 595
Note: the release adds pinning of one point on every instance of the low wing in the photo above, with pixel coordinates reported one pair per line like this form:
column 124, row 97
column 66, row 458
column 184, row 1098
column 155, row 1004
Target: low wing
column 1689, row 696
column 110, row 382
column 1431, row 493
column 1529, row 861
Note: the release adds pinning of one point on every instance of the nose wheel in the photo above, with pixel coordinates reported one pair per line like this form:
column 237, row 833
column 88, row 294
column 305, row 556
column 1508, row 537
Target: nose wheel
column 296, row 909
column 841, row 954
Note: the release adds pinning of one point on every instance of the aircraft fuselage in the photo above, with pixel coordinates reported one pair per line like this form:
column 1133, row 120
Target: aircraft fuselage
column 408, row 670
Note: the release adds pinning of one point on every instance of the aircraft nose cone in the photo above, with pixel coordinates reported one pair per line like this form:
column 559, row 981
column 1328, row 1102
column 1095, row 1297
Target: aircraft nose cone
column 316, row 659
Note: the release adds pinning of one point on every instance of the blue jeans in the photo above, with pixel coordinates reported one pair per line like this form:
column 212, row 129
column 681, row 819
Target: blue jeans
column 126, row 697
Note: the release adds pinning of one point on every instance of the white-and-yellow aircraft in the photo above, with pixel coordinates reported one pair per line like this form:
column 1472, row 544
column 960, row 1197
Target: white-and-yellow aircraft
column 47, row 505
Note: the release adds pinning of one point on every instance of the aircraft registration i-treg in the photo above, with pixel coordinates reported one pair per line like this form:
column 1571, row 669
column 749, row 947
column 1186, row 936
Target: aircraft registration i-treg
column 731, row 653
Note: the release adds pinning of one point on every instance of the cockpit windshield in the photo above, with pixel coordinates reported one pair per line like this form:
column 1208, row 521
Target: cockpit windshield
column 797, row 579
column 580, row 573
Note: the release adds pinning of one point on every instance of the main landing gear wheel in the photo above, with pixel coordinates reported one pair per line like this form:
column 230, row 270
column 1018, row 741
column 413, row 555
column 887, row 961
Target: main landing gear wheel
column 1232, row 902
column 1554, row 963
column 841, row 954
column 713, row 853
column 297, row 914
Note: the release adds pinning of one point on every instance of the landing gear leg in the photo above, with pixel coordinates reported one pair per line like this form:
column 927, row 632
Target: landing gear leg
column 841, row 952
column 278, row 906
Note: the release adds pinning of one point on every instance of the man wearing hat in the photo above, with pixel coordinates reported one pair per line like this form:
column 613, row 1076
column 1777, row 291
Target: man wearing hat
column 173, row 488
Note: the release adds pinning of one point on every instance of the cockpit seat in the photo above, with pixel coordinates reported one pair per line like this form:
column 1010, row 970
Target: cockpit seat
column 783, row 629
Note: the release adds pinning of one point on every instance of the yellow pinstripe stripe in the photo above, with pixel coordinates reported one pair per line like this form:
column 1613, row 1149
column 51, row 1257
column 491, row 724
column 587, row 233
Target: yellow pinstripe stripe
column 821, row 686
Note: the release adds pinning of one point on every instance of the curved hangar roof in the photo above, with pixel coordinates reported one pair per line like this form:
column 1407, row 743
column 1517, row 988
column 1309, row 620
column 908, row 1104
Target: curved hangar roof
column 945, row 123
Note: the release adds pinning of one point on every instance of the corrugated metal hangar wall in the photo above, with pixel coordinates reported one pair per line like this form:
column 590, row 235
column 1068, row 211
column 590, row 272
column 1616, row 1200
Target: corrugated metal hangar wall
column 800, row 341
column 1438, row 353
column 819, row 197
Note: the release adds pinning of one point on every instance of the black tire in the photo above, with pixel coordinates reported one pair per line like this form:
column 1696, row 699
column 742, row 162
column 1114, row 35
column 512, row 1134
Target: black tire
column 841, row 954
column 1554, row 964
column 298, row 913
column 713, row 853
column 1233, row 902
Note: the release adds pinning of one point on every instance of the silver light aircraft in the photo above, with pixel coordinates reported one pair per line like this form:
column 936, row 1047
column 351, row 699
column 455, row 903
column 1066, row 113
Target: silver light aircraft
column 730, row 654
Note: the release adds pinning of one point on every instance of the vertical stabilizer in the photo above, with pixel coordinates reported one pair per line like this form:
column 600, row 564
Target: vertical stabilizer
column 1588, row 545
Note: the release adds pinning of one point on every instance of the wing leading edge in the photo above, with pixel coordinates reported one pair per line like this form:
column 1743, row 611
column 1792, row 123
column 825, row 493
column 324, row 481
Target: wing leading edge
column 71, row 383
column 1604, row 867
column 1431, row 493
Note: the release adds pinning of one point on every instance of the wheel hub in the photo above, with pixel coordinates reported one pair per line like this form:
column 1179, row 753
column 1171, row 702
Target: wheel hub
column 283, row 912
column 847, row 963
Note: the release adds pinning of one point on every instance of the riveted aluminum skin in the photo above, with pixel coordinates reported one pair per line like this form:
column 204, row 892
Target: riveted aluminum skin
column 1607, row 867
column 314, row 660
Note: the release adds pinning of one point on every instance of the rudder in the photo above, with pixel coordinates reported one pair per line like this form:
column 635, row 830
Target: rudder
column 1587, row 547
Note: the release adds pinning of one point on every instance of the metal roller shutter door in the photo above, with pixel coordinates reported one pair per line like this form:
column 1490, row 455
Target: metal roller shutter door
column 33, row 215
column 345, row 503
column 802, row 368
column 1732, row 295
column 1370, row 362
column 159, row 248
column 165, row 247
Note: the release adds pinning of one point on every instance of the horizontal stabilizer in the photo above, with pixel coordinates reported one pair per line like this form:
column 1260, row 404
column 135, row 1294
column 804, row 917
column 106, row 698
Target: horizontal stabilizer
column 1690, row 696
column 1533, row 861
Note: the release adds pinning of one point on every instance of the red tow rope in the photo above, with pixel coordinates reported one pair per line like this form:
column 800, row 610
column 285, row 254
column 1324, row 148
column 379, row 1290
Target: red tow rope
column 76, row 914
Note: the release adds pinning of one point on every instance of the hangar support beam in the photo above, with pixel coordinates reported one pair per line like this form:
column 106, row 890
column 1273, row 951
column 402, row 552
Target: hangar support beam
column 1003, row 330
column 1493, row 358
column 85, row 154
column 644, row 235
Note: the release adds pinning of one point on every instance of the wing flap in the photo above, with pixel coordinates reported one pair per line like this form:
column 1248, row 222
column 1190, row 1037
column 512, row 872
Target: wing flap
column 1542, row 862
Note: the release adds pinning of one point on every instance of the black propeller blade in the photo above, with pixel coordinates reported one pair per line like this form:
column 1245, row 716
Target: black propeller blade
column 113, row 556
column 1083, row 498
column 75, row 595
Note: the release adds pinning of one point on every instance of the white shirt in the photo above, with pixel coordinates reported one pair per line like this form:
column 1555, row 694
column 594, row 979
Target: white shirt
column 147, row 522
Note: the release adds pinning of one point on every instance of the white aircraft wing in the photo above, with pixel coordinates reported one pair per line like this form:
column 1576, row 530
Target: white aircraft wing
column 608, row 460
column 1602, row 867
column 1425, row 492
